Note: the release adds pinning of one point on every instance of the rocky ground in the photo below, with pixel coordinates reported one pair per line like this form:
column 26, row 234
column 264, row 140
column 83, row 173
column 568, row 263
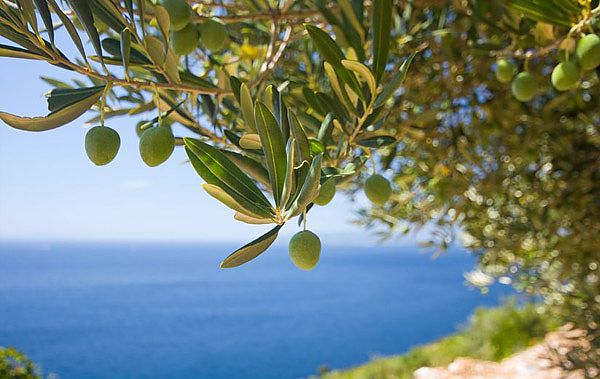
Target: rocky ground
column 537, row 362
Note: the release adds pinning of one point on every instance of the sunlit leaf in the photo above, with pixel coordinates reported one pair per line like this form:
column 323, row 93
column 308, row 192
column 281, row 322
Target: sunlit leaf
column 251, row 250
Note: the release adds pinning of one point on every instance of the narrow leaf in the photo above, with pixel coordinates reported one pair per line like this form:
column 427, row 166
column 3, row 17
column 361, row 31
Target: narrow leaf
column 252, row 220
column 289, row 184
column 273, row 148
column 382, row 26
column 54, row 119
column 227, row 172
column 310, row 188
column 42, row 7
column 84, row 14
column 125, row 49
column 395, row 83
column 247, row 106
column 251, row 250
column 333, row 54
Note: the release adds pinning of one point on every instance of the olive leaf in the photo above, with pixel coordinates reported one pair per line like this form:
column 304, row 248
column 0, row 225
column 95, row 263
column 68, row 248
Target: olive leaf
column 17, row 52
column 289, row 183
column 299, row 135
column 377, row 141
column 250, row 141
column 392, row 86
column 251, row 250
column 310, row 188
column 382, row 25
column 247, row 107
column 42, row 7
column 60, row 116
column 252, row 220
column 332, row 54
column 59, row 98
column 225, row 198
column 233, row 199
column 226, row 171
column 70, row 28
column 250, row 166
column 125, row 49
column 273, row 147
column 84, row 14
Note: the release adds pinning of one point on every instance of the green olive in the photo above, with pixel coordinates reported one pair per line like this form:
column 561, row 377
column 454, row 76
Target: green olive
column 214, row 34
column 505, row 70
column 102, row 145
column 326, row 192
column 566, row 75
column 156, row 145
column 588, row 51
column 185, row 41
column 378, row 189
column 524, row 86
column 305, row 249
column 180, row 13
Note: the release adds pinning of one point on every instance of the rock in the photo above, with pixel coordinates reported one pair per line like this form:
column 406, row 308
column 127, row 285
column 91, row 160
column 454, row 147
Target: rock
column 535, row 362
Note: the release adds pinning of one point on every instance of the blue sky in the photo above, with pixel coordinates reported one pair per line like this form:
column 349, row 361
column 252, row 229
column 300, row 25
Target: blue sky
column 49, row 190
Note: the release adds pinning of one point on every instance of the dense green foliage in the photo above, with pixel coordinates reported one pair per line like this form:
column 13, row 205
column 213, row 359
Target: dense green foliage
column 15, row 365
column 491, row 334
column 475, row 116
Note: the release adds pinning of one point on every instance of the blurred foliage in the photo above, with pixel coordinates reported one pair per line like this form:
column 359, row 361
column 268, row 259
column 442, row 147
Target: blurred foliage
column 491, row 334
column 15, row 365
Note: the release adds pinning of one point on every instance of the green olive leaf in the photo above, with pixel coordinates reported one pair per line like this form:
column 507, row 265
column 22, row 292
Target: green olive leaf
column 289, row 183
column 44, row 11
column 382, row 26
column 392, row 86
column 250, row 166
column 56, row 118
column 273, row 147
column 227, row 172
column 310, row 188
column 299, row 135
column 247, row 106
column 251, row 250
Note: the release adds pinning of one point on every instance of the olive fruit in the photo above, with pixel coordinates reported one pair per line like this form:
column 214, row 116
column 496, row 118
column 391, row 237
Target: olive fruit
column 305, row 249
column 102, row 144
column 185, row 41
column 180, row 13
column 378, row 189
column 524, row 86
column 156, row 145
column 214, row 34
column 505, row 70
column 566, row 75
column 326, row 192
column 588, row 51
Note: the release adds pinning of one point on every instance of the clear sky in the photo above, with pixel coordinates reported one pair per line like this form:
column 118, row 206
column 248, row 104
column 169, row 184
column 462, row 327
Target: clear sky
column 49, row 190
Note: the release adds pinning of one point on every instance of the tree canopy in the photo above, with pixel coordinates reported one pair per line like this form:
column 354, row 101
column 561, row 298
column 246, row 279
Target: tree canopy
column 480, row 118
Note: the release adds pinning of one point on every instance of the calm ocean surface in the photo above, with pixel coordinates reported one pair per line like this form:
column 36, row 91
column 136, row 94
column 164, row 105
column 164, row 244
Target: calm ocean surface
column 167, row 311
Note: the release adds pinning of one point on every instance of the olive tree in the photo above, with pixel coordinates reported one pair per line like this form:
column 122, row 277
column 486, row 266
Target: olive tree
column 477, row 117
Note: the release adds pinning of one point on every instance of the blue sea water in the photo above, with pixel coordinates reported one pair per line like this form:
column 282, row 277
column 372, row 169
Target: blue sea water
column 166, row 311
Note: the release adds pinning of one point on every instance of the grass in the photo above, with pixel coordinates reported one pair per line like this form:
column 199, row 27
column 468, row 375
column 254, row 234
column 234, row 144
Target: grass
column 491, row 334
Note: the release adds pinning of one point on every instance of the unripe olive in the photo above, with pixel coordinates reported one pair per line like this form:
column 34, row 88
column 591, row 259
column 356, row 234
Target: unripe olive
column 305, row 249
column 566, row 75
column 214, row 34
column 185, row 41
column 156, row 145
column 505, row 70
column 179, row 11
column 102, row 145
column 326, row 192
column 524, row 86
column 378, row 189
column 588, row 51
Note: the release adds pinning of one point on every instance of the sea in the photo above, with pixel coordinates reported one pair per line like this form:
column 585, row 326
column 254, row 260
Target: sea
column 165, row 310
